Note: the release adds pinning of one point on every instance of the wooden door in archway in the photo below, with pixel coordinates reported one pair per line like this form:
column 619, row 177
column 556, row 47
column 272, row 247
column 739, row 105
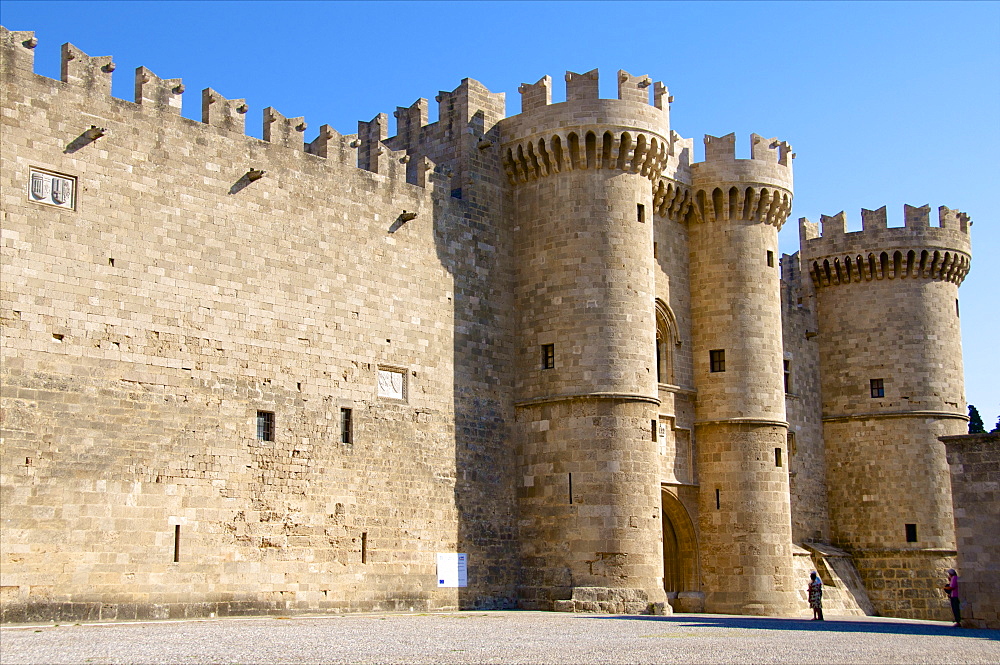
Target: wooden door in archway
column 680, row 547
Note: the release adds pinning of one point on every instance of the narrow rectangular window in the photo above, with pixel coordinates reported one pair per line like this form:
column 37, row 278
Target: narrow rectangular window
column 571, row 489
column 770, row 259
column 265, row 426
column 717, row 360
column 791, row 443
column 346, row 431
column 656, row 250
column 911, row 533
column 877, row 387
column 788, row 376
column 653, row 424
column 548, row 356
column 364, row 547
column 718, row 500
column 177, row 543
column 777, row 457
column 640, row 213
column 956, row 307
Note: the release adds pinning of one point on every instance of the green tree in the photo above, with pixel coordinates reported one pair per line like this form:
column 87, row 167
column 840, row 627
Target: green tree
column 975, row 421
column 996, row 428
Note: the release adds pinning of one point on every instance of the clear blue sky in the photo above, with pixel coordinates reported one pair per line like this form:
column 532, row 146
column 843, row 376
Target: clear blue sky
column 885, row 103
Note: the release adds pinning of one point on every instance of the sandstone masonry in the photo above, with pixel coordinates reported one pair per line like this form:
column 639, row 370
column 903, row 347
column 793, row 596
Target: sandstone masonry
column 974, row 461
column 251, row 376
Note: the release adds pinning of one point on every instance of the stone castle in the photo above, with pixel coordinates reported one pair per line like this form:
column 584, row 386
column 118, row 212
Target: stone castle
column 248, row 376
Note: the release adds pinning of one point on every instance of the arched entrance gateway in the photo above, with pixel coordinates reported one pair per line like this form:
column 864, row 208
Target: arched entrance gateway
column 681, row 578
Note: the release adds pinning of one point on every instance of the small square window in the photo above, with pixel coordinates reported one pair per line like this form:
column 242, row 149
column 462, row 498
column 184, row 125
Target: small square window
column 911, row 533
column 877, row 387
column 548, row 356
column 346, row 426
column 265, row 426
column 717, row 360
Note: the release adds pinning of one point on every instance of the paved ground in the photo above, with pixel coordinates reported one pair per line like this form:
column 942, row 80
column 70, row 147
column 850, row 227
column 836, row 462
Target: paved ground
column 503, row 637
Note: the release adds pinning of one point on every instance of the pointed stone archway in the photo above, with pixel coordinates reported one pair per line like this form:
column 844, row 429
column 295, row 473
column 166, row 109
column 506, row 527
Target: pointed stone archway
column 681, row 576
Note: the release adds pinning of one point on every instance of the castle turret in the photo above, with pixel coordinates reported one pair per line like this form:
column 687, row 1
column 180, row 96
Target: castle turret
column 740, row 426
column 891, row 376
column 580, row 176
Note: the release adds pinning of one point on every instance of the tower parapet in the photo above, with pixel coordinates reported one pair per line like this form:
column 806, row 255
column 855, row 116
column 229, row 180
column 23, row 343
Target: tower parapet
column 759, row 188
column 917, row 249
column 626, row 134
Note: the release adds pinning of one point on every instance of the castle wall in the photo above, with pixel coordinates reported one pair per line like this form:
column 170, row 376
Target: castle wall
column 974, row 463
column 803, row 406
column 676, row 385
column 147, row 325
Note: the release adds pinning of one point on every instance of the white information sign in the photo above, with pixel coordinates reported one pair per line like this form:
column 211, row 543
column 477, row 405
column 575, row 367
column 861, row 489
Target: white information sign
column 453, row 570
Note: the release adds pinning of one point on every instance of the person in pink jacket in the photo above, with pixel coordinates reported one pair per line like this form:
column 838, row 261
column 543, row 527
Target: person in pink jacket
column 952, row 590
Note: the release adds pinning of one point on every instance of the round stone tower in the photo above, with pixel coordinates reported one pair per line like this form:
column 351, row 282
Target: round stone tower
column 580, row 176
column 740, row 427
column 892, row 383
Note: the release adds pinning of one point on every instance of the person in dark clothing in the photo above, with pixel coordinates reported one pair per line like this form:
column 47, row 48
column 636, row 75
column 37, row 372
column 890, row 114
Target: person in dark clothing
column 816, row 596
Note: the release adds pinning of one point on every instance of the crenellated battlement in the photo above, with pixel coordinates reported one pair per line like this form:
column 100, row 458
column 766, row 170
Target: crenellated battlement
column 227, row 114
column 759, row 188
column 536, row 95
column 723, row 149
column 161, row 94
column 629, row 133
column 585, row 87
column 93, row 75
column 917, row 249
column 283, row 131
column 81, row 69
column 18, row 49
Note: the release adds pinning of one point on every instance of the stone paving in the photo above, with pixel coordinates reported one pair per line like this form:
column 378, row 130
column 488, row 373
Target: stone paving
column 502, row 637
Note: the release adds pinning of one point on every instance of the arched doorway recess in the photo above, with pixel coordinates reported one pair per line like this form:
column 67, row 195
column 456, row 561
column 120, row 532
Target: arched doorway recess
column 681, row 576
